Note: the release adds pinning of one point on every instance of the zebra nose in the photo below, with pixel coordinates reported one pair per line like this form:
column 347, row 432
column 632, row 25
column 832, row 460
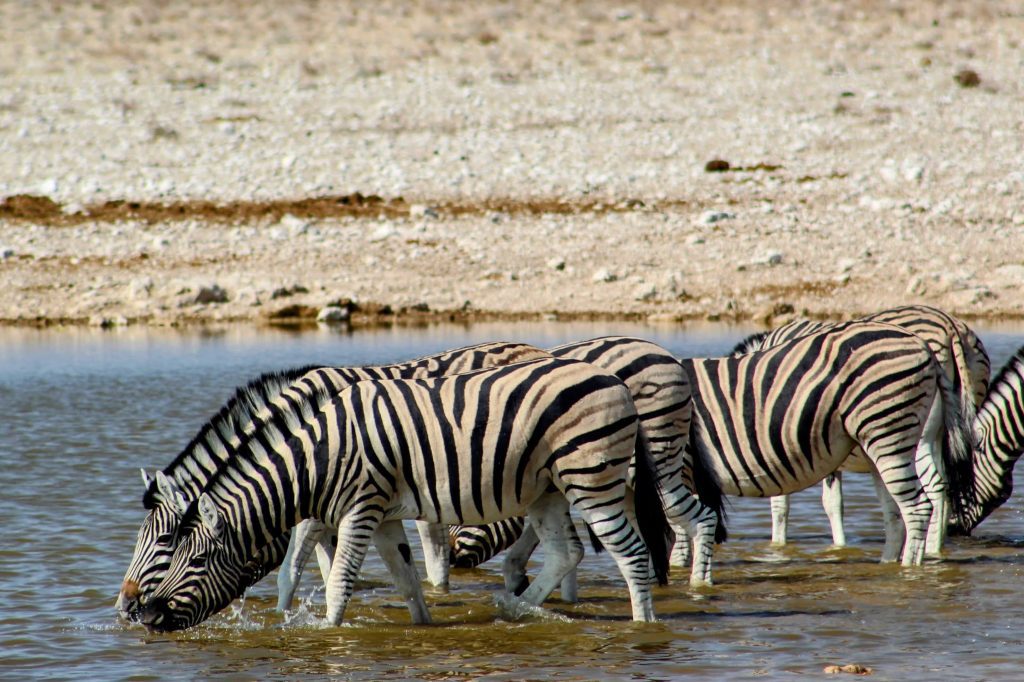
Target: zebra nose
column 130, row 590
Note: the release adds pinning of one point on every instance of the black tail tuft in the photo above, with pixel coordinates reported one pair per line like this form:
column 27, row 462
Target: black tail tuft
column 650, row 514
column 708, row 490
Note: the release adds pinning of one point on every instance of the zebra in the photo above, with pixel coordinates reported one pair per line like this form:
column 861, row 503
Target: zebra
column 535, row 437
column 661, row 393
column 962, row 356
column 999, row 426
column 775, row 421
column 171, row 490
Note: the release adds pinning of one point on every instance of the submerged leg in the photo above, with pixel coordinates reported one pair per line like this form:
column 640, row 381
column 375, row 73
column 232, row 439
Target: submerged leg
column 303, row 538
column 354, row 534
column 549, row 517
column 780, row 519
column 832, row 501
column 436, row 549
column 393, row 547
column 895, row 531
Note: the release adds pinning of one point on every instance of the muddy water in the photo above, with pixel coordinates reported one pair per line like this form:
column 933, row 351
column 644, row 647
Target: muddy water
column 82, row 410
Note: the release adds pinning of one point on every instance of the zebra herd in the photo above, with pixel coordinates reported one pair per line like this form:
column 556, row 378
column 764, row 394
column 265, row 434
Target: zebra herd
column 490, row 447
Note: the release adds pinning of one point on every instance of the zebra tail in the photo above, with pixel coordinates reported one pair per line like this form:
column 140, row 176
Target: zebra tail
column 968, row 401
column 957, row 452
column 709, row 492
column 650, row 513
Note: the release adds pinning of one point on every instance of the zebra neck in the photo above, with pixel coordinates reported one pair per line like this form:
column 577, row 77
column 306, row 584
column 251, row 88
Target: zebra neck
column 1000, row 424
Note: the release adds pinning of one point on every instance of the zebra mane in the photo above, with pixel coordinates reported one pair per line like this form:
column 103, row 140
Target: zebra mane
column 274, row 431
column 1013, row 366
column 240, row 409
column 749, row 344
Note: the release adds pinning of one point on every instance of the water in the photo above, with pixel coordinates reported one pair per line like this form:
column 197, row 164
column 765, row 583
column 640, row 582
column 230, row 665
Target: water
column 81, row 410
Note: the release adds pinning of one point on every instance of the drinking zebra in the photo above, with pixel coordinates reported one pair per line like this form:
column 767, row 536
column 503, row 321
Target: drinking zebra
column 1000, row 430
column 531, row 438
column 170, row 492
column 962, row 357
column 661, row 394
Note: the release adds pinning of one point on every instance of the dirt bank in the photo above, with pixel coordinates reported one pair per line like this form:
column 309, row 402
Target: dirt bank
column 674, row 161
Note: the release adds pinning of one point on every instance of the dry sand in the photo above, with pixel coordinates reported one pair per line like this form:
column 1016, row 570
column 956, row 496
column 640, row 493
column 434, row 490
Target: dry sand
column 260, row 160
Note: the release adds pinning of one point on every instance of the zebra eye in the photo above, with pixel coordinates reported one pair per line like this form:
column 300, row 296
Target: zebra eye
column 165, row 539
column 198, row 561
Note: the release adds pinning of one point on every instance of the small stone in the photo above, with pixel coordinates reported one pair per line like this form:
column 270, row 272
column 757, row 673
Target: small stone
column 770, row 258
column 383, row 232
column 288, row 162
column 423, row 211
column 716, row 166
column 556, row 264
column 211, row 294
column 967, row 78
column 108, row 322
column 846, row 264
column 6, row 252
column 294, row 224
column 712, row 217
column 604, row 275
column 48, row 186
column 694, row 239
column 332, row 313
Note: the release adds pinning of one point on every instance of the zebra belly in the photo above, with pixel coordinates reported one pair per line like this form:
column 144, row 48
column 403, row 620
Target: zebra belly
column 775, row 478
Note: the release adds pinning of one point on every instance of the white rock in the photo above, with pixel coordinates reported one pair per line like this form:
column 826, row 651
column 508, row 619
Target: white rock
column 383, row 232
column 161, row 242
column 711, row 217
column 332, row 313
column 6, row 252
column 556, row 263
column 48, row 186
column 604, row 275
column 846, row 264
column 770, row 258
column 694, row 239
column 293, row 224
column 422, row 211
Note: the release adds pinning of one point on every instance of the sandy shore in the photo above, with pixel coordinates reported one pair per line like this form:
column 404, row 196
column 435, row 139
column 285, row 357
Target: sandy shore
column 669, row 161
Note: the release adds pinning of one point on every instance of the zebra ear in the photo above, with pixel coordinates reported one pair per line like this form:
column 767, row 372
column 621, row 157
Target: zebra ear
column 210, row 514
column 169, row 491
column 146, row 480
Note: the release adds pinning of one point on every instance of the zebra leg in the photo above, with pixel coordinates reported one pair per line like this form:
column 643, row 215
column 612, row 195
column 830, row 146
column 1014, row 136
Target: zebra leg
column 550, row 520
column 355, row 531
column 304, row 536
column 832, row 501
column 932, row 472
column 514, row 564
column 895, row 531
column 780, row 518
column 682, row 549
column 901, row 481
column 436, row 550
column 615, row 527
column 393, row 547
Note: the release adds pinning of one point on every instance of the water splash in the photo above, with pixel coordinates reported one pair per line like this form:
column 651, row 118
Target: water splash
column 512, row 608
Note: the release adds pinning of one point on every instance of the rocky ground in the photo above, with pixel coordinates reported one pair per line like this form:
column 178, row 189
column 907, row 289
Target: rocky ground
column 164, row 163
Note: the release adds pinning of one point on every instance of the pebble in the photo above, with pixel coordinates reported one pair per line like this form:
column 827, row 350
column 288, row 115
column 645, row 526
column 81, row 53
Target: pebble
column 6, row 252
column 423, row 211
column 212, row 293
column 712, row 217
column 383, row 232
column 604, row 275
column 645, row 292
column 556, row 264
column 332, row 313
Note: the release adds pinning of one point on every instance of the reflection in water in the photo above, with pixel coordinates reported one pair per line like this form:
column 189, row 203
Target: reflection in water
column 83, row 410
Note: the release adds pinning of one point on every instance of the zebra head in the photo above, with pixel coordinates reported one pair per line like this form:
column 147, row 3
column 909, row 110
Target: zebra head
column 155, row 543
column 205, row 573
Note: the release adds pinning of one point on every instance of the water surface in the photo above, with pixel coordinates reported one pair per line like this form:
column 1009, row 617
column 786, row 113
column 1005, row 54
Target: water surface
column 82, row 410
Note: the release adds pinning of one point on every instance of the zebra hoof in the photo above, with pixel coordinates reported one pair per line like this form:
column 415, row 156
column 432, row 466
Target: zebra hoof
column 521, row 587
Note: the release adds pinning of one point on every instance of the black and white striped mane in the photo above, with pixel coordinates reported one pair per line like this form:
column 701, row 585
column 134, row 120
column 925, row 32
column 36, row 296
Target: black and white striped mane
column 749, row 344
column 241, row 408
